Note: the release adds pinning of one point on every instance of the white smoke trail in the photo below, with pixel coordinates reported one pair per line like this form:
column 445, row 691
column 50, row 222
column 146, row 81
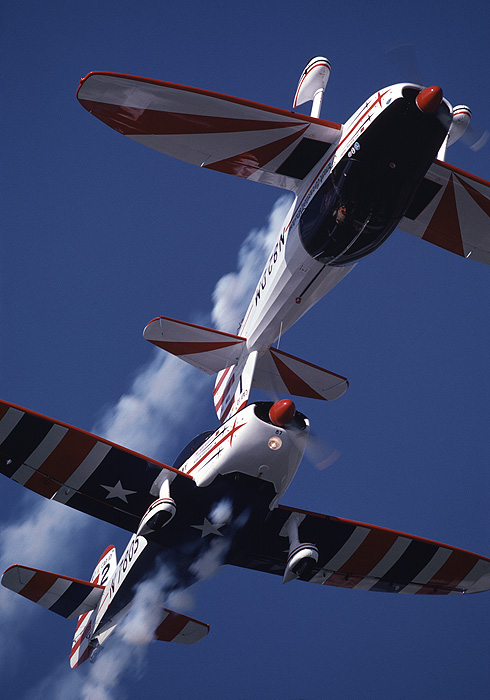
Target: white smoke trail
column 159, row 401
column 142, row 419
column 41, row 539
column 234, row 290
column 127, row 646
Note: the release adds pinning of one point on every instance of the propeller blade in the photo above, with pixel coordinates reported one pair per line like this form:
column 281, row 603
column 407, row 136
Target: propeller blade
column 402, row 57
column 319, row 453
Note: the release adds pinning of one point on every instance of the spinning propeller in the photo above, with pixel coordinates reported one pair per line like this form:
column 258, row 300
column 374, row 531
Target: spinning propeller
column 403, row 58
column 318, row 452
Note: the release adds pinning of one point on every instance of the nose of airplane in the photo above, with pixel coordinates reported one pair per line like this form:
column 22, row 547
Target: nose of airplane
column 282, row 412
column 429, row 99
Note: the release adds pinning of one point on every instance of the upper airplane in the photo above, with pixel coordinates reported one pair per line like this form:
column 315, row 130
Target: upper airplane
column 353, row 185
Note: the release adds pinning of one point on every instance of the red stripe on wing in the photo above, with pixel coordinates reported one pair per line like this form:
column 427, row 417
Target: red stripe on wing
column 134, row 121
column 444, row 229
column 245, row 164
column 61, row 463
column 455, row 570
column 480, row 199
column 370, row 552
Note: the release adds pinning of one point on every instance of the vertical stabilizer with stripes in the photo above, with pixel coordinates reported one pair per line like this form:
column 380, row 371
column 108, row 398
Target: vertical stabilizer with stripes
column 232, row 388
column 81, row 648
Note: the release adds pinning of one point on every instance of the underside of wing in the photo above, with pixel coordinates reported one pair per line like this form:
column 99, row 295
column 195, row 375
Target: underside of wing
column 210, row 130
column 363, row 557
column 63, row 595
column 79, row 469
column 451, row 209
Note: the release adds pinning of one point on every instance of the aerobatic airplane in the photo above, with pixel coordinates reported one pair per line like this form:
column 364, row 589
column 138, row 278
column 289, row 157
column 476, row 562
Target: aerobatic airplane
column 218, row 504
column 353, row 184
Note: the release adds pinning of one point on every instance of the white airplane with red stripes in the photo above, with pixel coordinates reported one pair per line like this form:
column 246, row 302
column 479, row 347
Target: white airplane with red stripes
column 353, row 184
column 217, row 504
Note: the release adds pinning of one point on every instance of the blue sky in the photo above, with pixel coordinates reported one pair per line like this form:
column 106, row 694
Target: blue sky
column 101, row 235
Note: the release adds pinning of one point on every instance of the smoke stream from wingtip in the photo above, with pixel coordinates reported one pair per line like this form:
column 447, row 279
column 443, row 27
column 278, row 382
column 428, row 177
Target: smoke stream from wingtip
column 135, row 421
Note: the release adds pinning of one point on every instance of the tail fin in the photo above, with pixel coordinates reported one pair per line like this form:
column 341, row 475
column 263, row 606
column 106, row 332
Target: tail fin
column 232, row 387
column 81, row 648
column 239, row 370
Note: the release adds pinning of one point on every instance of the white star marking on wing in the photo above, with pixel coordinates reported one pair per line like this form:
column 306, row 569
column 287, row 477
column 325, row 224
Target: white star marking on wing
column 117, row 491
column 209, row 529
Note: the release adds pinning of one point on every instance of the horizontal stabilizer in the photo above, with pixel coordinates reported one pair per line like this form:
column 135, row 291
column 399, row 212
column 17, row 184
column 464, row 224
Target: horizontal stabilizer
column 279, row 372
column 179, row 628
column 65, row 596
column 204, row 348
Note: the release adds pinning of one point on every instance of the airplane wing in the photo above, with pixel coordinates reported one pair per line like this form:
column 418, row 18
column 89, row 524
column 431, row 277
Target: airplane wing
column 63, row 595
column 451, row 209
column 214, row 131
column 363, row 557
column 79, row 469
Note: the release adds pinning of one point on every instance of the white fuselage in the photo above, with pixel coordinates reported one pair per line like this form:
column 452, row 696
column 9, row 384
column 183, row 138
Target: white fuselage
column 292, row 281
column 249, row 445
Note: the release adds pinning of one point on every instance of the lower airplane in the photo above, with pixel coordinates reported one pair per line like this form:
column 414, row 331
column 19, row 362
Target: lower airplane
column 218, row 503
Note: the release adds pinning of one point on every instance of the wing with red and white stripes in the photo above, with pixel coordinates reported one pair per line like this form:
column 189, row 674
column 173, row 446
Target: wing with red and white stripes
column 451, row 209
column 363, row 557
column 79, row 469
column 68, row 597
column 214, row 131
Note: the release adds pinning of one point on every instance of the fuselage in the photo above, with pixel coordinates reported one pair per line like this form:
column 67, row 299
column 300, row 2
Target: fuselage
column 251, row 461
column 346, row 208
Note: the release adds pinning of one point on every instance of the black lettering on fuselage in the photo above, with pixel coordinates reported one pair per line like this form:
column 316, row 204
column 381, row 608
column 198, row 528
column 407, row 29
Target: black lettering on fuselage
column 278, row 248
column 129, row 554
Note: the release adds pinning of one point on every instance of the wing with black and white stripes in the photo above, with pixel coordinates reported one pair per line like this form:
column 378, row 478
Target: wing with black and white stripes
column 77, row 468
column 362, row 557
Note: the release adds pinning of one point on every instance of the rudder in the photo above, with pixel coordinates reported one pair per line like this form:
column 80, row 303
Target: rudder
column 81, row 649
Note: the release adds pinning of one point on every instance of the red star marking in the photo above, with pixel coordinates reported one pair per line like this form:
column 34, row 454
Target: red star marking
column 380, row 97
column 217, row 444
column 234, row 429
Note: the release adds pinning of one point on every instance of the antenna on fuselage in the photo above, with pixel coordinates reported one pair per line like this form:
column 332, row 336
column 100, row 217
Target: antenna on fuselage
column 312, row 84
